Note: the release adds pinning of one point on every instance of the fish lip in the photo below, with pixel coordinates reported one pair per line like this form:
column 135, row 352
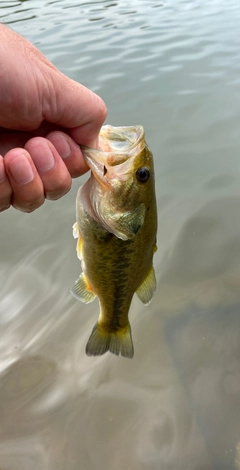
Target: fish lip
column 123, row 142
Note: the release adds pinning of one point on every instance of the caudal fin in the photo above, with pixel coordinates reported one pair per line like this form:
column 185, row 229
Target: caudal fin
column 117, row 342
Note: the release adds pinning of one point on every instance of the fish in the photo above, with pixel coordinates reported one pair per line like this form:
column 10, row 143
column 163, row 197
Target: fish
column 116, row 231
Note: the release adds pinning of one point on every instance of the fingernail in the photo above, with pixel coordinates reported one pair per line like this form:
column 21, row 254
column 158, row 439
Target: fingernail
column 62, row 146
column 2, row 170
column 43, row 158
column 21, row 170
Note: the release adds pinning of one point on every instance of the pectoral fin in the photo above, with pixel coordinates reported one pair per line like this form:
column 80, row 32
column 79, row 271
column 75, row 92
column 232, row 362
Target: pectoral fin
column 79, row 247
column 147, row 288
column 75, row 230
column 125, row 225
column 76, row 234
column 81, row 290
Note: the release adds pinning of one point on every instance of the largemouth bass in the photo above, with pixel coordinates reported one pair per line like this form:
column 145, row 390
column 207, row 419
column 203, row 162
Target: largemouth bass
column 116, row 229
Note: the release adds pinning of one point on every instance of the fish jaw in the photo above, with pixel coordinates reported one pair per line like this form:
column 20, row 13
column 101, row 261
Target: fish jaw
column 117, row 148
column 120, row 139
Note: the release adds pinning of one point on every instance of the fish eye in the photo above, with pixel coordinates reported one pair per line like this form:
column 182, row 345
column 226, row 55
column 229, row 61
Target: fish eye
column 143, row 174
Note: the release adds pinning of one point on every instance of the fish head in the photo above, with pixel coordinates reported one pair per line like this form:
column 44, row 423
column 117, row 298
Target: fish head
column 123, row 170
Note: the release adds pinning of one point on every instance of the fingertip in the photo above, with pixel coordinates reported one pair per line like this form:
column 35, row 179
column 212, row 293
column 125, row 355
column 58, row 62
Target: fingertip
column 56, row 187
column 19, row 166
column 70, row 152
column 54, row 174
column 61, row 143
column 87, row 134
column 26, row 185
column 41, row 153
column 100, row 109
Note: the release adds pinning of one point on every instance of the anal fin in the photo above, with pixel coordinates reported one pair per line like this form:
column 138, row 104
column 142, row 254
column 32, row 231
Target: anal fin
column 147, row 288
column 81, row 291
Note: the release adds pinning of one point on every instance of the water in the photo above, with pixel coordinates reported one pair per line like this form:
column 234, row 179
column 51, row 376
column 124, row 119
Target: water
column 173, row 67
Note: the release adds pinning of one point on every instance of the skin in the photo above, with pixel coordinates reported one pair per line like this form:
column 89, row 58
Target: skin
column 44, row 117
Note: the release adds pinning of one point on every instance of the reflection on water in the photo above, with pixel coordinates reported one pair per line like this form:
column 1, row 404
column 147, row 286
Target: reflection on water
column 173, row 67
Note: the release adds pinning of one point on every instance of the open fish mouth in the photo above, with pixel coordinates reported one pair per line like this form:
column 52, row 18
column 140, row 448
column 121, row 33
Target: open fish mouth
column 119, row 139
column 116, row 146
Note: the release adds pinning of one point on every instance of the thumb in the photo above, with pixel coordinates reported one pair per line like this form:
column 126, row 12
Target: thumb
column 75, row 107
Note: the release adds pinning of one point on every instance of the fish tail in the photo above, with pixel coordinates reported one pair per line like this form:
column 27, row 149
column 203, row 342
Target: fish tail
column 117, row 342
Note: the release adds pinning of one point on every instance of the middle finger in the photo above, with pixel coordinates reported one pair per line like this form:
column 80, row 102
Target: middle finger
column 53, row 173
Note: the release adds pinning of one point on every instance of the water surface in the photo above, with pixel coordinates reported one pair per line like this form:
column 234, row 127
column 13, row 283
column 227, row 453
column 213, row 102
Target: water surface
column 173, row 67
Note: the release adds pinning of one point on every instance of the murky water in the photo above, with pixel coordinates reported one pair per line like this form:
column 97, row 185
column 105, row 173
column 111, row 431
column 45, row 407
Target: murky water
column 173, row 66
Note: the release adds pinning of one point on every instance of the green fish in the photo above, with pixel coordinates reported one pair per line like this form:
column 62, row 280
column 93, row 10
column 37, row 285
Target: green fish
column 116, row 229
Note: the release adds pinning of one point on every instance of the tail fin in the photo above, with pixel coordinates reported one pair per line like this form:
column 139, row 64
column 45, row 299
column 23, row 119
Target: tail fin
column 117, row 342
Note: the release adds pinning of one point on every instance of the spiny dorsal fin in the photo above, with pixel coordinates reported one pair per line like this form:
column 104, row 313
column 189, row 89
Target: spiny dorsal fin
column 117, row 342
column 147, row 288
column 81, row 291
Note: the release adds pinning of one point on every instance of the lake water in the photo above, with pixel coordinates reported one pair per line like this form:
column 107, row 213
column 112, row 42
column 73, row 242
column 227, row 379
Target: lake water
column 173, row 66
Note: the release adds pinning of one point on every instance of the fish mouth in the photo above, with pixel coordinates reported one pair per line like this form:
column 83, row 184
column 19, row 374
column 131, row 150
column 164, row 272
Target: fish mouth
column 117, row 145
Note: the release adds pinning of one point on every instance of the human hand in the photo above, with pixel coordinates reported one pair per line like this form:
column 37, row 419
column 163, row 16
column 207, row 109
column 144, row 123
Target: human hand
column 44, row 117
